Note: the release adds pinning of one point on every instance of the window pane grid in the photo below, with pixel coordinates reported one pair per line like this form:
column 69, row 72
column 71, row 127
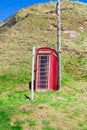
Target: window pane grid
column 43, row 71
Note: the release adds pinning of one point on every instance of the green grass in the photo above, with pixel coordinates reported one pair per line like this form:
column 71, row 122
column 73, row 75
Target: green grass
column 14, row 78
column 49, row 110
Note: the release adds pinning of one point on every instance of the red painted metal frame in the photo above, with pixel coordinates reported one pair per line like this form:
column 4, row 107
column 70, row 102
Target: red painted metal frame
column 52, row 69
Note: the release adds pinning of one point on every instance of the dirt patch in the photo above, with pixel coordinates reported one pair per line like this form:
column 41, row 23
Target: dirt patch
column 72, row 34
column 18, row 118
column 23, row 87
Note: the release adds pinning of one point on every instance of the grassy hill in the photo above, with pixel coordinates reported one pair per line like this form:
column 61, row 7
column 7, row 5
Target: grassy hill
column 37, row 26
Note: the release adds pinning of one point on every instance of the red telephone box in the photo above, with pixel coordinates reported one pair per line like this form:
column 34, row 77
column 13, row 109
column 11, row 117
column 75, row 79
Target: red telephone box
column 46, row 69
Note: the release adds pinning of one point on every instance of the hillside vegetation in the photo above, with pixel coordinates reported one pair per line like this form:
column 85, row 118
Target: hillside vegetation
column 36, row 26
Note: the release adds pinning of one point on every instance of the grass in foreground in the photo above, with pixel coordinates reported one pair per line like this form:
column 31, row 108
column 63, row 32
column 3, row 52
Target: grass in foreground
column 64, row 109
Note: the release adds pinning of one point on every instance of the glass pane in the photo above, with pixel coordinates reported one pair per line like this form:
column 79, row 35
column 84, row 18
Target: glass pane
column 43, row 71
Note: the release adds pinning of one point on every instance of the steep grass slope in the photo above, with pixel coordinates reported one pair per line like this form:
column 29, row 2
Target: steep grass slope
column 37, row 26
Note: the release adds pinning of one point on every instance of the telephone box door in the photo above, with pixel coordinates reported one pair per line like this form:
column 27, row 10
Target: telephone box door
column 43, row 69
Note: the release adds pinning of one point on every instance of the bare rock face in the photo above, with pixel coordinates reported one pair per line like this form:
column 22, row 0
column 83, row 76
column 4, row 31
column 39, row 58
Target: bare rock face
column 72, row 34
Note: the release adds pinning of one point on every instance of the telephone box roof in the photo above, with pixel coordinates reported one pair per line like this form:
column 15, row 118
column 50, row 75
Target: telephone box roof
column 46, row 50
